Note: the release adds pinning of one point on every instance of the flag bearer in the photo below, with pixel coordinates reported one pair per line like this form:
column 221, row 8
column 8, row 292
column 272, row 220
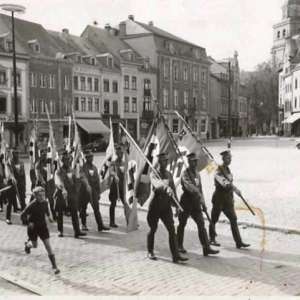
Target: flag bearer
column 191, row 201
column 35, row 214
column 223, row 201
column 160, row 208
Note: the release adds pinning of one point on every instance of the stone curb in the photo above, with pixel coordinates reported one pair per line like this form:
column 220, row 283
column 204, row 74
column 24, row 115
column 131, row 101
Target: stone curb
column 286, row 230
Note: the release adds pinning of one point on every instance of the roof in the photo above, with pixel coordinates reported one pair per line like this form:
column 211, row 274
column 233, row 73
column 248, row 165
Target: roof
column 291, row 2
column 162, row 33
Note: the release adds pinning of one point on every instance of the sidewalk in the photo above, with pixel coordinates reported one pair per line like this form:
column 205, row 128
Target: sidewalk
column 115, row 262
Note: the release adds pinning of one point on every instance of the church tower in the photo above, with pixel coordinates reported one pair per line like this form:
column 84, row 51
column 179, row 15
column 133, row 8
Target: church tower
column 288, row 27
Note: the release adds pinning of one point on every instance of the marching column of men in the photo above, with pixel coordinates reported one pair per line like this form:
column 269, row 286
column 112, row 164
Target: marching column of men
column 74, row 192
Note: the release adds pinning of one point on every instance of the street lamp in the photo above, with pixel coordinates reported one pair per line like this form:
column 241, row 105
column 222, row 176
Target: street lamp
column 13, row 9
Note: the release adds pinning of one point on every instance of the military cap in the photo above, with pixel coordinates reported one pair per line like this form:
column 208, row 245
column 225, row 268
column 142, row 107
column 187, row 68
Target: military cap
column 225, row 153
column 16, row 150
column 119, row 147
column 88, row 153
column 163, row 156
column 38, row 189
column 192, row 156
column 65, row 154
column 42, row 151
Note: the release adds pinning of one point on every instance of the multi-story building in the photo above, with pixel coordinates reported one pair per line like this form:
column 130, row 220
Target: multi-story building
column 243, row 110
column 182, row 72
column 138, row 78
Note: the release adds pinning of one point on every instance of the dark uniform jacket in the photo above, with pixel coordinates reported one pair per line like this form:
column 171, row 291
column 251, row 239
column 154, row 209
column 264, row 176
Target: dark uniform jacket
column 224, row 188
column 192, row 190
column 36, row 212
column 41, row 175
column 17, row 171
column 119, row 169
column 159, row 196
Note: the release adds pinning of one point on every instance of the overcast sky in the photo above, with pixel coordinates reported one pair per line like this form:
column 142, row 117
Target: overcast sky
column 220, row 26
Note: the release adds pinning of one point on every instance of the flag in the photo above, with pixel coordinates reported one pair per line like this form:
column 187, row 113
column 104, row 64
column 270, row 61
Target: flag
column 105, row 180
column 68, row 146
column 33, row 156
column 3, row 151
column 77, row 152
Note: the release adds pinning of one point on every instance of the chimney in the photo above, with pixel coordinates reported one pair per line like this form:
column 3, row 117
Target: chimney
column 122, row 29
column 150, row 23
column 107, row 28
column 131, row 17
column 65, row 30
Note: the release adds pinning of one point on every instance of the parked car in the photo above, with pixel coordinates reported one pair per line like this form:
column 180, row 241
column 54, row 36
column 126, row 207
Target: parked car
column 98, row 146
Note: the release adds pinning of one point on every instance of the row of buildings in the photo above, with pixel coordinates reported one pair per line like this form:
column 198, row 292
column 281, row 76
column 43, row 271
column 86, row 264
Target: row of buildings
column 115, row 72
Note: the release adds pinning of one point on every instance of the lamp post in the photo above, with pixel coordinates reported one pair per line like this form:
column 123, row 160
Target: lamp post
column 229, row 105
column 13, row 9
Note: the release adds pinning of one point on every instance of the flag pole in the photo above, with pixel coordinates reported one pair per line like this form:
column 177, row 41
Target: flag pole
column 171, row 137
column 212, row 158
column 149, row 163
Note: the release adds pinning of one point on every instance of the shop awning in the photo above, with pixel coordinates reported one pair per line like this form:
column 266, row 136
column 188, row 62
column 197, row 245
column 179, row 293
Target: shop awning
column 291, row 119
column 93, row 126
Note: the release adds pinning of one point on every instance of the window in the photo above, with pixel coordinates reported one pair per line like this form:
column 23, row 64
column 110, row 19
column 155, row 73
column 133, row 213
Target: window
column 89, row 83
column 9, row 46
column 175, row 99
column 203, row 126
column 37, row 48
column 42, row 80
column 175, row 125
column 115, row 87
column 134, row 105
column 90, row 104
column 75, row 82
column 79, row 58
column 133, row 83
column 33, row 79
column 176, row 73
column 185, row 74
column 83, row 105
column 166, row 98
column 106, row 106
column 146, row 64
column 97, row 104
column 278, row 34
column 2, row 105
column 147, row 104
column 295, row 102
column 166, row 70
column 195, row 125
column 66, row 109
column 204, row 77
column 33, row 106
column 147, row 84
column 126, row 82
column 66, row 82
column 115, row 107
column 96, row 85
column 51, row 81
column 106, row 85
column 126, row 104
column 185, row 99
column 43, row 106
column 170, row 47
column 203, row 101
column 110, row 62
column 195, row 75
column 283, row 33
column 195, row 99
column 296, row 83
column 82, row 83
column 51, row 107
column 76, row 103
column 131, row 56
column 93, row 61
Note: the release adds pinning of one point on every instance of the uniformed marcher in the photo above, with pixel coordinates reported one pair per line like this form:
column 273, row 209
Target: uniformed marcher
column 66, row 194
column 35, row 214
column 116, row 170
column 160, row 208
column 91, row 173
column 17, row 179
column 191, row 201
column 3, row 199
column 223, row 201
column 41, row 175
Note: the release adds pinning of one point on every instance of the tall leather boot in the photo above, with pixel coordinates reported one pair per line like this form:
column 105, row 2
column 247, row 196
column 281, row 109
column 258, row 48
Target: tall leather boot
column 60, row 229
column 112, row 217
column 180, row 238
column 203, row 237
column 99, row 221
column 237, row 236
column 53, row 262
column 174, row 249
column 150, row 246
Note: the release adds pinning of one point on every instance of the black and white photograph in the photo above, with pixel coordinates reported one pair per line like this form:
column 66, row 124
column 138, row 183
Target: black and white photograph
column 149, row 148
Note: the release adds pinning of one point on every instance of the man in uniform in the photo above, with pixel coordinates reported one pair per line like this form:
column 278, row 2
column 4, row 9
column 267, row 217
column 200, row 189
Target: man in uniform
column 117, row 186
column 191, row 201
column 41, row 175
column 17, row 179
column 66, row 194
column 160, row 208
column 223, row 201
column 91, row 173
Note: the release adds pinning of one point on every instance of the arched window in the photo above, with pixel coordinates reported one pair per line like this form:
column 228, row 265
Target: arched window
column 278, row 34
column 296, row 83
column 284, row 33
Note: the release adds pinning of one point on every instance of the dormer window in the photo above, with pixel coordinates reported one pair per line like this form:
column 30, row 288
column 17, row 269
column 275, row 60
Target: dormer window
column 37, row 48
column 9, row 46
column 110, row 62
column 79, row 59
column 34, row 45
column 197, row 53
column 93, row 61
column 284, row 33
column 170, row 47
column 146, row 65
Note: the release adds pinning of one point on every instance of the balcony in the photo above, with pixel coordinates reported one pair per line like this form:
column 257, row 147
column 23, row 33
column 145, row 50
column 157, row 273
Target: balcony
column 148, row 115
column 107, row 116
column 147, row 92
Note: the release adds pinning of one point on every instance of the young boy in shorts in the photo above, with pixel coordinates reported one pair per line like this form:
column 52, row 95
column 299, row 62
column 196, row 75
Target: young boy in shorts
column 35, row 213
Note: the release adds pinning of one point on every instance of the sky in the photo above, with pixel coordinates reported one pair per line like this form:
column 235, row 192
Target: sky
column 219, row 26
